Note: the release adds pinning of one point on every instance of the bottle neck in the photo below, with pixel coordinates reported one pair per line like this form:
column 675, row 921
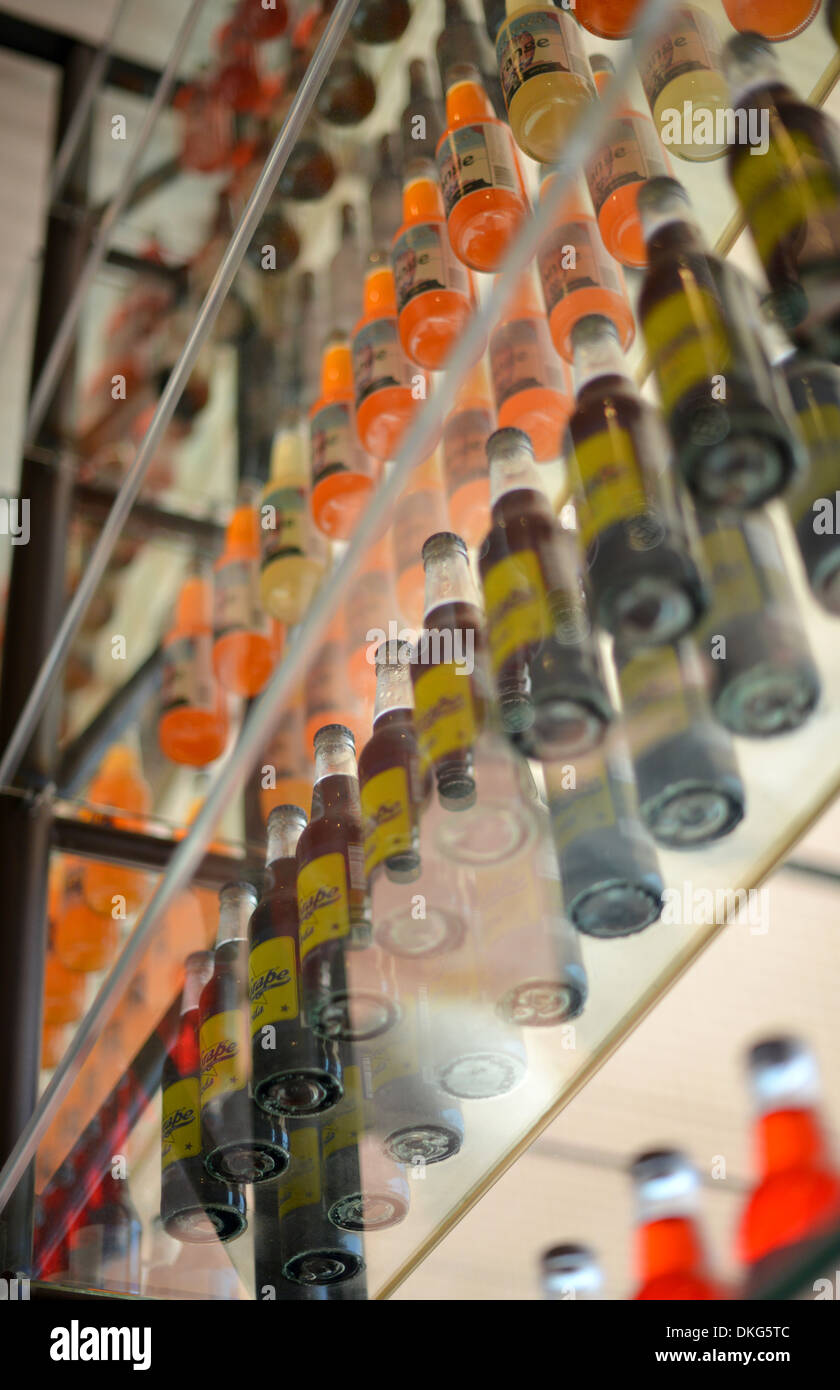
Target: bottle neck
column 597, row 354
column 467, row 101
column 789, row 1139
column 379, row 294
column 196, row 977
column 393, row 690
column 234, row 913
column 282, row 839
column 448, row 580
column 422, row 201
column 512, row 472
column 287, row 457
column 334, row 758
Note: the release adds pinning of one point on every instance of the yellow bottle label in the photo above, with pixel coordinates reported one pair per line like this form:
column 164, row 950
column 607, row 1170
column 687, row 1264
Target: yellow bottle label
column 272, row 982
column 582, row 808
column 323, row 904
column 300, row 1185
column 343, row 1125
column 386, row 817
column 819, row 428
column 735, row 586
column 654, row 699
column 688, row 342
column 518, row 614
column 180, row 1128
column 444, row 713
column 785, row 188
column 613, row 484
column 223, row 1055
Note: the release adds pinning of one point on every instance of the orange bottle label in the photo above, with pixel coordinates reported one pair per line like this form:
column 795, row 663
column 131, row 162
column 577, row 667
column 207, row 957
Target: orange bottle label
column 631, row 155
column 334, row 447
column 464, row 438
column 187, row 678
column 378, row 358
column 423, row 260
column 573, row 257
column 522, row 356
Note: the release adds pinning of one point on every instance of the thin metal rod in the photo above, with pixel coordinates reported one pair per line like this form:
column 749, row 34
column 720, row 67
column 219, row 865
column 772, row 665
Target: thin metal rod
column 78, row 121
column 63, row 341
column 222, row 281
column 263, row 715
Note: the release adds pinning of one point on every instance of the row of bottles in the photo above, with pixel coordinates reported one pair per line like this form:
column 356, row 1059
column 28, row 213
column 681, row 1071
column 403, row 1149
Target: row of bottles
column 795, row 1200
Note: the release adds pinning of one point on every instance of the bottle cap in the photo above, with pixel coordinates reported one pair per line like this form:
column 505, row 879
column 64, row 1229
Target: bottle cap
column 782, row 1074
column 508, row 442
column 328, row 732
column 236, row 890
column 663, row 200
column 279, row 814
column 569, row 1270
column 393, row 653
column 443, row 540
column 666, row 1182
column 461, row 72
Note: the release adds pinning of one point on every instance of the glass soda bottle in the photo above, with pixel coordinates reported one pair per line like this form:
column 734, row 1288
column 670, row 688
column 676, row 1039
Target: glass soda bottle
column 347, row 269
column 449, row 700
column 776, row 20
column 246, row 641
column 64, row 992
column 83, row 940
column 682, row 77
column 645, row 583
column 285, row 771
column 687, row 776
column 670, row 1261
column 607, row 19
column 193, row 724
column 463, row 451
column 796, row 1197
column 342, row 476
column 384, row 385
column 364, row 1189
column 315, row 1255
column 630, row 154
column 380, row 21
column 726, row 416
column 790, row 196
column 294, row 1072
column 392, row 791
column 483, row 189
column 570, row 1272
column 460, row 41
column 417, row 1123
column 812, row 502
column 435, row 292
column 545, row 75
column 545, row 659
column 194, row 1208
column 241, row 1143
column 369, row 610
column 332, row 902
column 327, row 698
column 293, row 553
column 385, row 200
column 120, row 785
column 532, row 387
column 421, row 123
column 578, row 276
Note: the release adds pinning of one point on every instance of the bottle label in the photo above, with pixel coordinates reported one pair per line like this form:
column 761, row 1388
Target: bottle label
column 789, row 188
column 736, row 589
column 573, row 257
column 690, row 45
column 423, row 260
column 444, row 713
column 334, row 448
column 272, row 982
column 180, row 1130
column 473, row 157
column 285, row 527
column 819, row 428
column 518, row 614
column 386, row 816
column 654, row 699
column 187, row 678
column 378, row 359
column 539, row 42
column 223, row 1059
column 300, row 1185
column 612, row 479
column 631, row 155
column 464, row 456
column 323, row 904
column 343, row 1124
column 521, row 358
column 585, row 809
column 236, row 606
column 688, row 341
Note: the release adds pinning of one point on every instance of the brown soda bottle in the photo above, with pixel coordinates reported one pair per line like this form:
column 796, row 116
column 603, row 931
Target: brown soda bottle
column 789, row 193
column 421, row 123
column 347, row 269
column 241, row 1143
column 645, row 583
column 814, row 499
column 380, row 21
column 294, row 1073
column 733, row 444
column 449, row 702
column 392, row 790
column 461, row 41
column 332, row 902
column 544, row 656
column 386, row 192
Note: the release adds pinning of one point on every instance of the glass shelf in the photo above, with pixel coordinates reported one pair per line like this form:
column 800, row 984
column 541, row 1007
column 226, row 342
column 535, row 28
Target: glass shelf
column 452, row 1008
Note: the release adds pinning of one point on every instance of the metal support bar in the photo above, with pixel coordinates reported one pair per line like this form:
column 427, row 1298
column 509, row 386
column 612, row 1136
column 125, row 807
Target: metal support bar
column 148, row 518
column 52, row 46
column 153, row 853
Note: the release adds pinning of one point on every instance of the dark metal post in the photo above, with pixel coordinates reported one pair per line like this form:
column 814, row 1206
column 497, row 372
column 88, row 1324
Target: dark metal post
column 37, row 596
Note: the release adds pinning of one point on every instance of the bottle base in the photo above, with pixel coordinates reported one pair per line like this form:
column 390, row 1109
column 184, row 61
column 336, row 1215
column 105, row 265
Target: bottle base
column 768, row 700
column 305, row 1091
column 354, row 1016
column 692, row 812
column 615, row 907
column 429, row 1143
column 251, row 1162
column 323, row 1266
column 362, row 1211
column 544, row 1003
column 481, row 1075
column 495, row 830
column 400, row 934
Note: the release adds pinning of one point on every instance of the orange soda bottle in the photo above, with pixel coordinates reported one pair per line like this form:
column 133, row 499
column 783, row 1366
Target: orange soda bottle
column 669, row 1253
column 64, row 992
column 775, row 20
column 370, row 607
column 120, row 784
column 327, row 696
column 382, row 378
column 342, row 476
column 630, row 154
column 531, row 384
column 83, row 939
column 54, row 1038
column 608, row 19
column 578, row 275
column 286, row 772
column 294, row 553
column 465, row 434
column 247, row 641
column 483, row 190
column 435, row 292
column 421, row 511
column 797, row 1196
column 193, row 725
